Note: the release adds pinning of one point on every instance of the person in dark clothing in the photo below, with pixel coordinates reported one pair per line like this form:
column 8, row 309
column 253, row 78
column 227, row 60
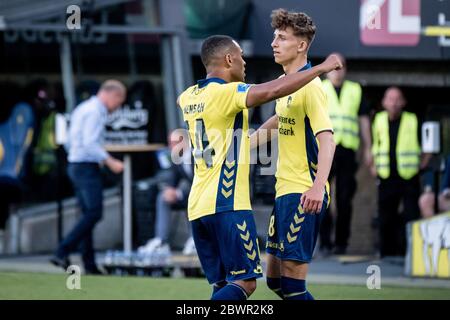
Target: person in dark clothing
column 16, row 133
column 86, row 154
column 349, row 115
column 397, row 161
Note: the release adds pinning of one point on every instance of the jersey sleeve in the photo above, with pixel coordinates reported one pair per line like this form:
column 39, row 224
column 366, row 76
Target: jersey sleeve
column 316, row 108
column 233, row 97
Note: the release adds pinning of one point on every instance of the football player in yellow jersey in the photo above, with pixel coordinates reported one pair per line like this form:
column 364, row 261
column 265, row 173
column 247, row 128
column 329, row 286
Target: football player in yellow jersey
column 306, row 149
column 215, row 112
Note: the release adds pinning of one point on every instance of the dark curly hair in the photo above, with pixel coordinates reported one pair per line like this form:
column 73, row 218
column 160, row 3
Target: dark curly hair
column 300, row 22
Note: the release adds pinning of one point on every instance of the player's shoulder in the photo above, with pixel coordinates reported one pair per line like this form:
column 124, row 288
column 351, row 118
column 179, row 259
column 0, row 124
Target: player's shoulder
column 230, row 88
column 187, row 93
column 316, row 83
column 189, row 90
column 313, row 87
column 237, row 86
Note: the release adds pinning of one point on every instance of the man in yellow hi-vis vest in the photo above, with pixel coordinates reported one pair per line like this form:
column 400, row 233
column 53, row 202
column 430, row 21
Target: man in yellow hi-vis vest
column 350, row 117
column 397, row 161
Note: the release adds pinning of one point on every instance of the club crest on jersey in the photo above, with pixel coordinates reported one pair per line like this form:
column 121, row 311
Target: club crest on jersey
column 289, row 102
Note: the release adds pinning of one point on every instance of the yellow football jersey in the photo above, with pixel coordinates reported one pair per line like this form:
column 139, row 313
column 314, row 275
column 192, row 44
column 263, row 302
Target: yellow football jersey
column 216, row 116
column 301, row 116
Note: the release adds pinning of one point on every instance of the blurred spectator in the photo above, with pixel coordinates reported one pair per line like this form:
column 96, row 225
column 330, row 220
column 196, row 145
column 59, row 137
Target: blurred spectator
column 174, row 193
column 16, row 133
column 85, row 156
column 397, row 160
column 42, row 160
column 427, row 199
column 349, row 114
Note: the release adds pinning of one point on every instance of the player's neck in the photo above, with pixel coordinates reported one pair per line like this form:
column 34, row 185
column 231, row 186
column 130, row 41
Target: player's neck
column 294, row 65
column 218, row 74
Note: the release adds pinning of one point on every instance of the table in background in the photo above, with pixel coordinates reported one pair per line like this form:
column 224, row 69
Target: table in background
column 127, row 188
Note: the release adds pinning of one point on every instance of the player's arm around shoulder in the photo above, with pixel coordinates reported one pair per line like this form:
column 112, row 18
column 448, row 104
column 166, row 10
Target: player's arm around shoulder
column 261, row 93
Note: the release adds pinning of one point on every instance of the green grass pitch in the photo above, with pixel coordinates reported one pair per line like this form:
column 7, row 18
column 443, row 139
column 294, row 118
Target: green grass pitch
column 16, row 285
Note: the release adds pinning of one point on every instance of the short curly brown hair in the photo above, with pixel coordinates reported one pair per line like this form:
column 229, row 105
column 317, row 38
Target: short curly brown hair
column 300, row 22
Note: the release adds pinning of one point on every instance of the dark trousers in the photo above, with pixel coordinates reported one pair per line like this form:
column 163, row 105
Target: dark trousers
column 87, row 182
column 392, row 225
column 10, row 191
column 343, row 170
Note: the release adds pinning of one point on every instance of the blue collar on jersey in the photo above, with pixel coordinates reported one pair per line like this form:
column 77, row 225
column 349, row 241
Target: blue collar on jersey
column 306, row 66
column 204, row 82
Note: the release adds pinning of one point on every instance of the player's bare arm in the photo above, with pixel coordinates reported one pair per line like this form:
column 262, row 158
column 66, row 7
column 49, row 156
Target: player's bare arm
column 261, row 93
column 313, row 198
column 264, row 132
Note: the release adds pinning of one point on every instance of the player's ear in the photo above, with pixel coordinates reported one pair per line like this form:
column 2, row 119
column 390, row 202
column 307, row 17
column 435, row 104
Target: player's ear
column 302, row 46
column 228, row 60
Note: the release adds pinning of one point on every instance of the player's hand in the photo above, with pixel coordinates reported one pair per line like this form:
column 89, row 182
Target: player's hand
column 170, row 195
column 312, row 199
column 331, row 63
column 115, row 165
